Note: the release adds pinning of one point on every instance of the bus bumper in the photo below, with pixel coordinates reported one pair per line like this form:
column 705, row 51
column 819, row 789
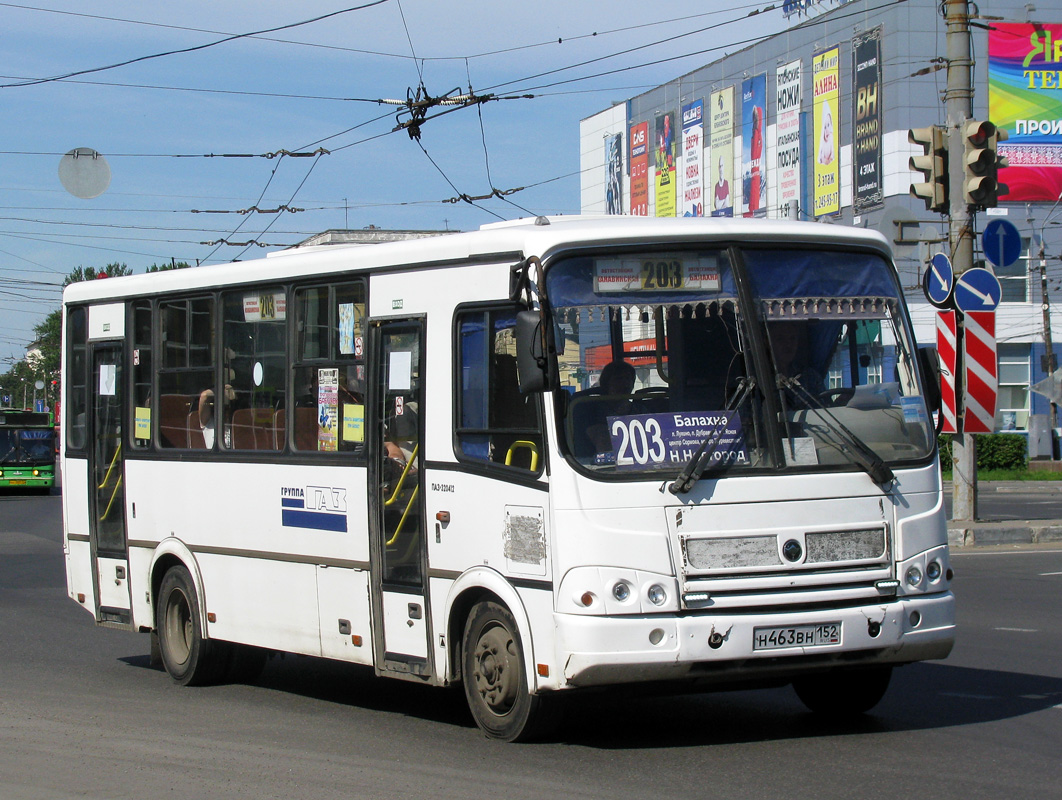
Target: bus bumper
column 720, row 648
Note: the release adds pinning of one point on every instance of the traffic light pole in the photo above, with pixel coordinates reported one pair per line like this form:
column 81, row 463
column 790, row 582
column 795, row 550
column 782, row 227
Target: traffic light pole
column 958, row 102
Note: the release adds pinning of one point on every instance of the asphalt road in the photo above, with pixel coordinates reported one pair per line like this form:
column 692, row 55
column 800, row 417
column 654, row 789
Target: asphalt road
column 1014, row 500
column 83, row 715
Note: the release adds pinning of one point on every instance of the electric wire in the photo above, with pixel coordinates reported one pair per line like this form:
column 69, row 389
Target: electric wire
column 179, row 51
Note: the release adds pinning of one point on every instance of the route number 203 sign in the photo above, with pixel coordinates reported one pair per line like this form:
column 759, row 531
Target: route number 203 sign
column 645, row 441
column 682, row 273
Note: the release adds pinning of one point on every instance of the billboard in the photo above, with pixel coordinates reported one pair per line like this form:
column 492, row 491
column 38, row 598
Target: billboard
column 665, row 165
column 825, row 66
column 787, row 134
column 614, row 174
column 867, row 191
column 692, row 157
column 753, row 128
column 639, row 161
column 722, row 166
column 1025, row 100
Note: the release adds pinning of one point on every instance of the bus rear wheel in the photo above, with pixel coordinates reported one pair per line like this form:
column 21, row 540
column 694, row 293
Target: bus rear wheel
column 189, row 658
column 843, row 693
column 495, row 679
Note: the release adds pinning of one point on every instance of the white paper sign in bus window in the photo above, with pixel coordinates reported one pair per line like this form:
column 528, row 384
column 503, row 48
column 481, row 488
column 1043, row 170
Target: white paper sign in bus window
column 661, row 273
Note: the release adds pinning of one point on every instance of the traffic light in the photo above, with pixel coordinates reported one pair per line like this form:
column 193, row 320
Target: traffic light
column 981, row 163
column 933, row 165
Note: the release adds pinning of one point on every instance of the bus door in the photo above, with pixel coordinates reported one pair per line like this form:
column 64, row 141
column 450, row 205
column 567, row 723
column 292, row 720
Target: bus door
column 396, row 458
column 107, row 533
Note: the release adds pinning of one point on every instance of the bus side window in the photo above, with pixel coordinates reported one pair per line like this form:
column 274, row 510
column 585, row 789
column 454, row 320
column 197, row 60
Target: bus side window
column 496, row 423
column 76, row 379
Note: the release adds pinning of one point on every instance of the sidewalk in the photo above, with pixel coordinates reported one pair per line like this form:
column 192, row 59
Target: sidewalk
column 984, row 533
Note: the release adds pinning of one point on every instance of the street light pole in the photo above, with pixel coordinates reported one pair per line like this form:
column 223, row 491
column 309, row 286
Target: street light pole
column 958, row 101
column 1045, row 306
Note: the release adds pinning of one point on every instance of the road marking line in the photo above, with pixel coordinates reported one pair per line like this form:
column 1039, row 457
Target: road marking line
column 1048, row 574
column 1018, row 630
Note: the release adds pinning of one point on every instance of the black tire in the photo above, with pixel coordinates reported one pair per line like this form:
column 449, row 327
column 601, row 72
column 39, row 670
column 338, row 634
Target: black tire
column 844, row 693
column 189, row 658
column 495, row 679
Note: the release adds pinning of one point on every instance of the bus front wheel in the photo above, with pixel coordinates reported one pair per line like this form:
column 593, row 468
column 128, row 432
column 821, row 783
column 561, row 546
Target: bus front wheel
column 189, row 658
column 843, row 693
column 495, row 680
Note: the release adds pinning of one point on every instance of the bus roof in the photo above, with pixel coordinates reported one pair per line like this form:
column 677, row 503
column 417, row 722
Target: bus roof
column 511, row 240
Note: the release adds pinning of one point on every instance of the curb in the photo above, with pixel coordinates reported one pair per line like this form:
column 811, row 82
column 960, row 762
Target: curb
column 982, row 534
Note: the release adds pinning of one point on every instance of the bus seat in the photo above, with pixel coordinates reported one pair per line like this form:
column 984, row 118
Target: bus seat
column 305, row 428
column 279, row 418
column 194, row 431
column 173, row 419
column 243, row 433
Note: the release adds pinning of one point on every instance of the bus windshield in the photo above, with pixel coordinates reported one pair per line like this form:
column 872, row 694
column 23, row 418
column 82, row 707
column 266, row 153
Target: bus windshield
column 26, row 438
column 738, row 358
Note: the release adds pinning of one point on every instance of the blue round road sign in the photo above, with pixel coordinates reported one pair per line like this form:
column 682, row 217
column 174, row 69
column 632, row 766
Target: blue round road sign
column 939, row 280
column 977, row 290
column 1001, row 242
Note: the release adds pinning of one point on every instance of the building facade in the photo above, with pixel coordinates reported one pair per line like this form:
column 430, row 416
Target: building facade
column 812, row 123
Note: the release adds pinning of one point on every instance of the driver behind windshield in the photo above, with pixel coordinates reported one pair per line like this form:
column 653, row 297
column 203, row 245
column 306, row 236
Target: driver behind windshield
column 791, row 351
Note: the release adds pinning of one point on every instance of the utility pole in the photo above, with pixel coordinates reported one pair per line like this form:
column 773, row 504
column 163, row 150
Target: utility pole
column 958, row 104
column 1045, row 306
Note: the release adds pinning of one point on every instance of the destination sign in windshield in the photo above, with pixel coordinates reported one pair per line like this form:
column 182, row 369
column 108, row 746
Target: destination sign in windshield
column 653, row 440
column 657, row 274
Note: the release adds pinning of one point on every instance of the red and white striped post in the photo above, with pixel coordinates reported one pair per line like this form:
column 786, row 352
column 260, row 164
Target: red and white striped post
column 981, row 376
column 947, row 352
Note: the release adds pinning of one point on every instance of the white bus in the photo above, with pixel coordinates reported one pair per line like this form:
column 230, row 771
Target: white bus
column 546, row 455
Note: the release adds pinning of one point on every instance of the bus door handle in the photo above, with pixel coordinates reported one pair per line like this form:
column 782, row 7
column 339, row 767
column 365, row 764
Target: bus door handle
column 414, row 611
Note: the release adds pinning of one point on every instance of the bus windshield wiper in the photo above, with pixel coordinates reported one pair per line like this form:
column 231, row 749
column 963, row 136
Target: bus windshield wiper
column 702, row 457
column 861, row 452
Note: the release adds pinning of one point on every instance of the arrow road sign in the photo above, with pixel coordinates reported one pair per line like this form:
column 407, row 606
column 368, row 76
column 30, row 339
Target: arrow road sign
column 939, row 280
column 977, row 290
column 1001, row 242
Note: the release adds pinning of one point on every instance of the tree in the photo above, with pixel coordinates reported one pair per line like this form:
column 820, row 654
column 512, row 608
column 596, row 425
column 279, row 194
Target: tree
column 112, row 270
column 44, row 365
column 172, row 265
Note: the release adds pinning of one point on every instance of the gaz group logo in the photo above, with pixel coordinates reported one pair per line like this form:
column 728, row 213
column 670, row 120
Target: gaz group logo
column 319, row 508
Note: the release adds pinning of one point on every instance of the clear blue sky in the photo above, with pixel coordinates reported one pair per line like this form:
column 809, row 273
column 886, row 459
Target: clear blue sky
column 298, row 89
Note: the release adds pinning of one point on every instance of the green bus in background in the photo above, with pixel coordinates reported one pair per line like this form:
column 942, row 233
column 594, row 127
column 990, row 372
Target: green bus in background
column 27, row 449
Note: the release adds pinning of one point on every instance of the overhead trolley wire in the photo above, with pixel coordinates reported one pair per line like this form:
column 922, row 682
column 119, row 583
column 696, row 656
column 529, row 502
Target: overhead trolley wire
column 192, row 49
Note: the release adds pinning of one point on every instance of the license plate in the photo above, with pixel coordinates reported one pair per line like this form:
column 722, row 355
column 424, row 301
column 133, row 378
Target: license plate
column 16, row 483
column 796, row 636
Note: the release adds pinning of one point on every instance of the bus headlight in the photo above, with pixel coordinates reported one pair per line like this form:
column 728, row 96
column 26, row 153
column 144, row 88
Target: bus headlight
column 621, row 591
column 914, row 576
column 933, row 570
column 657, row 594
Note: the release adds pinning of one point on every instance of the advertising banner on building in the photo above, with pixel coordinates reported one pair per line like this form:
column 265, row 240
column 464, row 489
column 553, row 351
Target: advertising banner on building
column 614, row 174
column 1025, row 100
column 722, row 166
column 666, row 190
column 753, row 128
column 639, row 161
column 787, row 135
column 825, row 66
column 868, row 192
column 692, row 157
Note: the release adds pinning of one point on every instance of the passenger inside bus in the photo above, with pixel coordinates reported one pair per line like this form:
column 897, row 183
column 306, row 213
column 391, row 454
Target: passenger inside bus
column 207, row 417
column 590, row 414
column 791, row 350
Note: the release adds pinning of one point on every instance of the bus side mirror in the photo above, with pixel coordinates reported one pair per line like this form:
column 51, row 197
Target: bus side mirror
column 531, row 363
column 930, row 364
